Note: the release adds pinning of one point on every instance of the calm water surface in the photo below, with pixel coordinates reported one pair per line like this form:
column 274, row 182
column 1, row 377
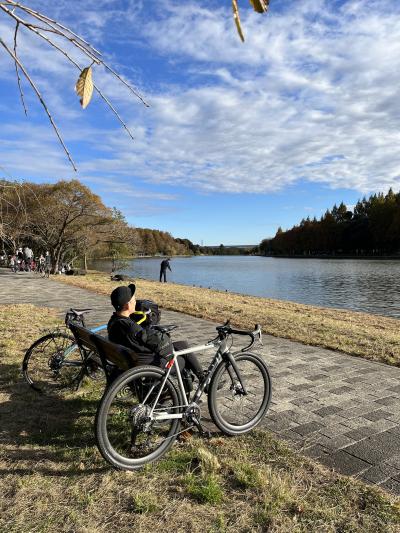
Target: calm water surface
column 372, row 286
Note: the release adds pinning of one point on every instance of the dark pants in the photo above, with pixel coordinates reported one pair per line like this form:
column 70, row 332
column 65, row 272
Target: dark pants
column 163, row 273
column 188, row 361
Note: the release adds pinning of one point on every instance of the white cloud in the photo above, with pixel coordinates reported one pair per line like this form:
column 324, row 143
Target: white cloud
column 312, row 95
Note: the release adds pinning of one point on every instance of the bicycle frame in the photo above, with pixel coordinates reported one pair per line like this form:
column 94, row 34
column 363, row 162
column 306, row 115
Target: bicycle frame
column 222, row 351
column 74, row 346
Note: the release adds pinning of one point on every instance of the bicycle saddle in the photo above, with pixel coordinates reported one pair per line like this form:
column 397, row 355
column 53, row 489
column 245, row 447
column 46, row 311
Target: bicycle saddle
column 165, row 329
column 80, row 312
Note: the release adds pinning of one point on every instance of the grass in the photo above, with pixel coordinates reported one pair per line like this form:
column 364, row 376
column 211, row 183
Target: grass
column 54, row 480
column 360, row 334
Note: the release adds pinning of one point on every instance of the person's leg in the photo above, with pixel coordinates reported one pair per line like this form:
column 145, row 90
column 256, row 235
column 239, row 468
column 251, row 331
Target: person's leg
column 190, row 360
column 161, row 273
column 165, row 276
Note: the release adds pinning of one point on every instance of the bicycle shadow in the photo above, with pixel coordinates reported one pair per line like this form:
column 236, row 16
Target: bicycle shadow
column 47, row 435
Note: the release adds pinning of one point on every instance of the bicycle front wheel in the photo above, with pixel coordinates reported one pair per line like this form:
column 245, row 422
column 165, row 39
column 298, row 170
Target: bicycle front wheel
column 52, row 363
column 234, row 410
column 128, row 436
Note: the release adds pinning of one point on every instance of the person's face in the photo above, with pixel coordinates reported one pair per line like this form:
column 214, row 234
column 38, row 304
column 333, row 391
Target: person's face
column 132, row 304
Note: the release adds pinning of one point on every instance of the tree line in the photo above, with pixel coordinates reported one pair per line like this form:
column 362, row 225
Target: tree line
column 372, row 228
column 72, row 223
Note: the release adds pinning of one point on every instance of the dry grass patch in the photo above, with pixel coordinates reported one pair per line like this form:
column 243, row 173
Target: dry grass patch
column 369, row 336
column 54, row 480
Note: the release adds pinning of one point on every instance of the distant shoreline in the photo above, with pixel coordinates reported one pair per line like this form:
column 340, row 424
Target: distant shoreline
column 362, row 257
column 319, row 256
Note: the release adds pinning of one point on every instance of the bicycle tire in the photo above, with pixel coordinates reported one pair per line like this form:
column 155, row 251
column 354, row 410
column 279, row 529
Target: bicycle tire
column 226, row 401
column 121, row 416
column 40, row 363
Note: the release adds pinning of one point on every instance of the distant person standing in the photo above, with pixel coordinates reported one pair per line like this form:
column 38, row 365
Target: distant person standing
column 47, row 263
column 28, row 254
column 20, row 259
column 163, row 269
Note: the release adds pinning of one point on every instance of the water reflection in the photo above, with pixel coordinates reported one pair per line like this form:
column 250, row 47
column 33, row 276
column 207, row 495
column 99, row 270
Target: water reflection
column 363, row 285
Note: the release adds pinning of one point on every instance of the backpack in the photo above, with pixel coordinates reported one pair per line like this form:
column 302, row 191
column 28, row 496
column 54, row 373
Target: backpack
column 147, row 313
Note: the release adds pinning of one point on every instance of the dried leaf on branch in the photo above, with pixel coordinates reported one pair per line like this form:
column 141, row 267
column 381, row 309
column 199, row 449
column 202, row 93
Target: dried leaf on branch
column 84, row 87
column 237, row 19
column 261, row 6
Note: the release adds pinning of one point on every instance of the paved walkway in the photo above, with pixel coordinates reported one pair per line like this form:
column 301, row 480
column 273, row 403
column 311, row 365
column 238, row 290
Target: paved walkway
column 342, row 410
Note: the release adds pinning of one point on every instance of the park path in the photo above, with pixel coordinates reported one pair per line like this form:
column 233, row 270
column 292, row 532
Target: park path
column 341, row 410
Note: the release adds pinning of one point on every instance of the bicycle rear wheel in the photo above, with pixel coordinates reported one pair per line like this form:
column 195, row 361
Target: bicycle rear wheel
column 53, row 363
column 126, row 435
column 233, row 410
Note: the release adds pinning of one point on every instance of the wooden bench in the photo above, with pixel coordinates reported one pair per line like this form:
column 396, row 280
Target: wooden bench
column 111, row 356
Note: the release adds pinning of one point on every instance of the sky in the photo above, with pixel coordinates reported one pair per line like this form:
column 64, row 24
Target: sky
column 240, row 138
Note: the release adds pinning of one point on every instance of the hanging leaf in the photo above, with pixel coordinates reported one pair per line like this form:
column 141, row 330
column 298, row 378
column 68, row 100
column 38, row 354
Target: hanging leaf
column 84, row 86
column 261, row 6
column 237, row 19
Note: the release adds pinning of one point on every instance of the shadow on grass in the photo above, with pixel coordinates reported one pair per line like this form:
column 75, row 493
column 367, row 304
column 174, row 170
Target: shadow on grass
column 53, row 433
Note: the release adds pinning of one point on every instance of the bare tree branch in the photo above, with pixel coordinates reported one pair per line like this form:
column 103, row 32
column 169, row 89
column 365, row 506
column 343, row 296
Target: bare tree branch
column 54, row 45
column 53, row 23
column 17, row 70
column 48, row 25
column 10, row 52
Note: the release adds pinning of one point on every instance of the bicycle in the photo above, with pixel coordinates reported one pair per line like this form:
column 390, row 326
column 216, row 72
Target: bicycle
column 141, row 412
column 54, row 361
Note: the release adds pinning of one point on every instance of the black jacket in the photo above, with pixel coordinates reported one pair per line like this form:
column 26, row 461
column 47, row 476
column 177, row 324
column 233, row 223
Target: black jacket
column 164, row 265
column 146, row 341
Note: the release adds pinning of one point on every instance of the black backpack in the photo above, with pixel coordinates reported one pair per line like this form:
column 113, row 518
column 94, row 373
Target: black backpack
column 147, row 313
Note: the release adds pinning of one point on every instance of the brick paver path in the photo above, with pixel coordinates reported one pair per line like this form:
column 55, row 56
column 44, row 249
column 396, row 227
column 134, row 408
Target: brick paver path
column 342, row 410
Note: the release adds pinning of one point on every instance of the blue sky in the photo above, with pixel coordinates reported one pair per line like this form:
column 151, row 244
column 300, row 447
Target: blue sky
column 240, row 138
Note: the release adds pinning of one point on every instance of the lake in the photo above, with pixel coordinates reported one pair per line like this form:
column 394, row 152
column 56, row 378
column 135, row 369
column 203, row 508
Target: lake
column 366, row 285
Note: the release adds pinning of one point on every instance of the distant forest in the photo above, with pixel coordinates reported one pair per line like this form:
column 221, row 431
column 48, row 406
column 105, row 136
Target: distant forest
column 153, row 242
column 373, row 228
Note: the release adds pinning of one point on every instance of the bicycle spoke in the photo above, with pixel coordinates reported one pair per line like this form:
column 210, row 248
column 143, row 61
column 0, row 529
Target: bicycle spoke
column 44, row 367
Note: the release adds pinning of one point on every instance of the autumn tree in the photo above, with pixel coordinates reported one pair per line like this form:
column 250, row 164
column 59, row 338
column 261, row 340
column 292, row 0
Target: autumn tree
column 65, row 218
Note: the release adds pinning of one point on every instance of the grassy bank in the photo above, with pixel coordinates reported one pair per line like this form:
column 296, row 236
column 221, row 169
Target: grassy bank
column 53, row 479
column 369, row 336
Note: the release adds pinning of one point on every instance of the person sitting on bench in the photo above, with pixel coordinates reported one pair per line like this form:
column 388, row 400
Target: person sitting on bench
column 151, row 345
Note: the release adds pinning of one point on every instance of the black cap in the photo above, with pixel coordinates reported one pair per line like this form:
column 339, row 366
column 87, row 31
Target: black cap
column 122, row 295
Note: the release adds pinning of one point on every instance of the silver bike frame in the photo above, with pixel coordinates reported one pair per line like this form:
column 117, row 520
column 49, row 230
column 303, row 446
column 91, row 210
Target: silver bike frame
column 173, row 361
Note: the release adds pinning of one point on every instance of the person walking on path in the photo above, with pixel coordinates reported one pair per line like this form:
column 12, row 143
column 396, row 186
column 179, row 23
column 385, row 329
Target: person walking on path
column 163, row 269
